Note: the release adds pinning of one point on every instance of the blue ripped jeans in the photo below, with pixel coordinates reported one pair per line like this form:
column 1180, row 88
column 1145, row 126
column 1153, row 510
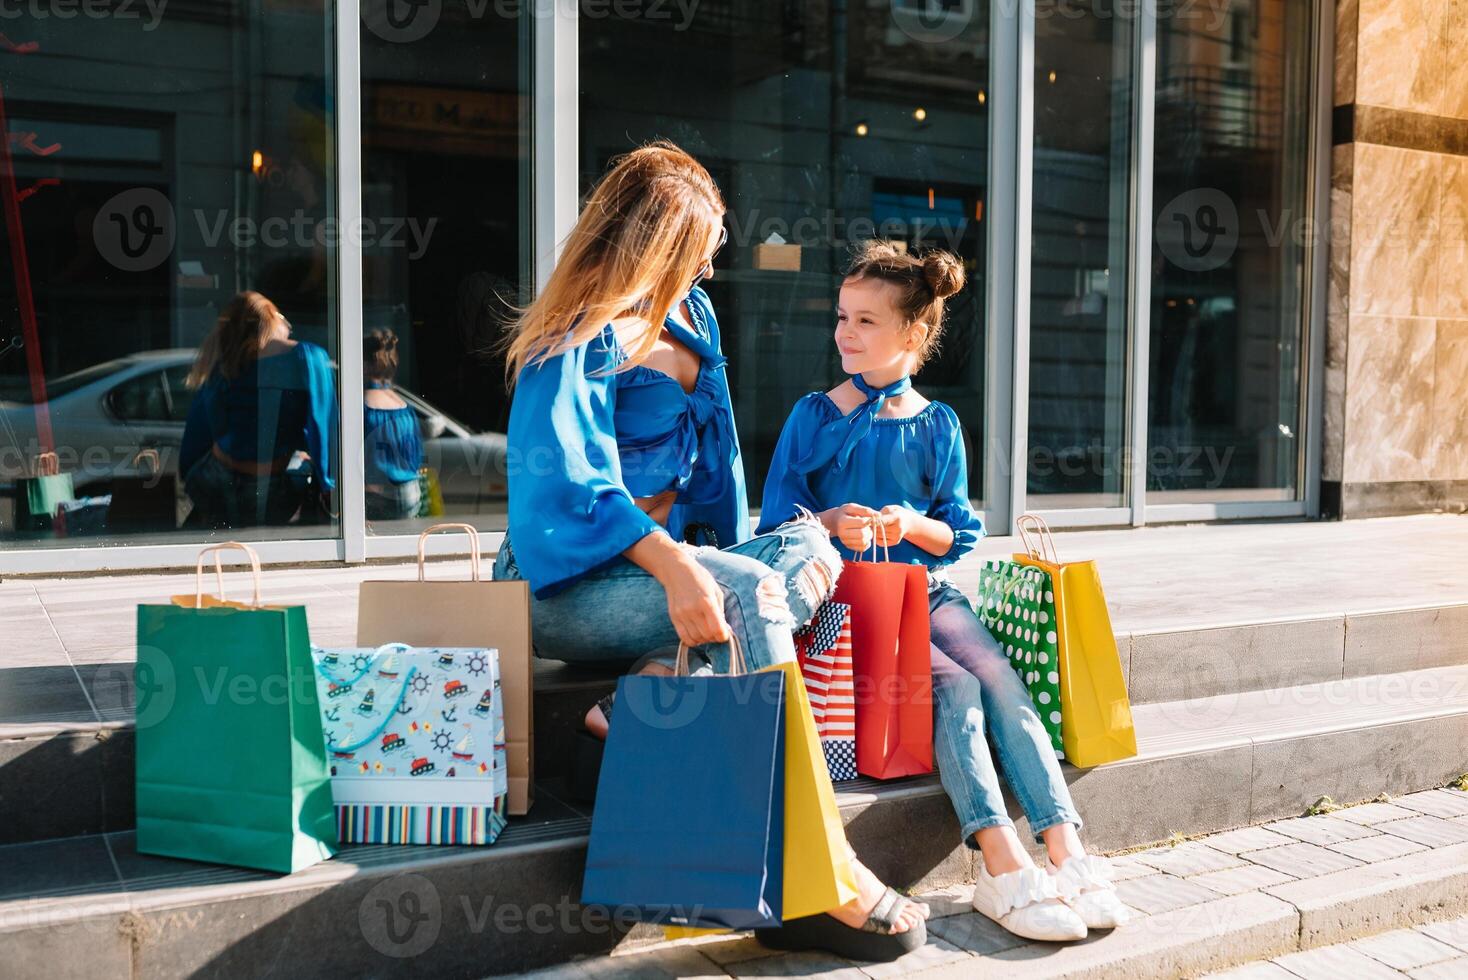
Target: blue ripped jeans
column 975, row 689
column 772, row 583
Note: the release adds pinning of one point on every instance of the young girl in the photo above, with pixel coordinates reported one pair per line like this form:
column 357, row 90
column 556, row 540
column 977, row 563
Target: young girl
column 873, row 457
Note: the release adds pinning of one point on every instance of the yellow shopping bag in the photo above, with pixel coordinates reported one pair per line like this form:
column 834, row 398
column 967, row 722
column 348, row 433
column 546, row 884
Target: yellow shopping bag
column 818, row 875
column 1095, row 713
column 430, row 493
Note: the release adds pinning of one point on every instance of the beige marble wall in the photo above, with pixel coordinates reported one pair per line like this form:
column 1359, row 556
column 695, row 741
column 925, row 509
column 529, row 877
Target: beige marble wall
column 1408, row 54
column 1396, row 360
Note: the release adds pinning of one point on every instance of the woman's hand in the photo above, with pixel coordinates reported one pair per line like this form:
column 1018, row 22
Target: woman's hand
column 695, row 600
column 696, row 605
column 852, row 524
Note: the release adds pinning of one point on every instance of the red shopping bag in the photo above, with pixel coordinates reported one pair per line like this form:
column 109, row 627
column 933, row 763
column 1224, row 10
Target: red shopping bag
column 892, row 665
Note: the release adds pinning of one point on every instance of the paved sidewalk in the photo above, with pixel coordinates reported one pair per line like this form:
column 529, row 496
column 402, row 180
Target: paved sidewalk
column 1436, row 951
column 1231, row 897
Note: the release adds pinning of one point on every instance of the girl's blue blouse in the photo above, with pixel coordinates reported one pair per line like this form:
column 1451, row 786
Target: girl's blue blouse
column 918, row 462
column 584, row 439
column 394, row 444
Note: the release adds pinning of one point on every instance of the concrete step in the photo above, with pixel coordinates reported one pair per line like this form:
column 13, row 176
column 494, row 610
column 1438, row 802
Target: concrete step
column 66, row 746
column 91, row 903
column 1202, row 906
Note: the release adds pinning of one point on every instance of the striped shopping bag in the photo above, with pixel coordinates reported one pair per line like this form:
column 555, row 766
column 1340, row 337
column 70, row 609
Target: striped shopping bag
column 824, row 650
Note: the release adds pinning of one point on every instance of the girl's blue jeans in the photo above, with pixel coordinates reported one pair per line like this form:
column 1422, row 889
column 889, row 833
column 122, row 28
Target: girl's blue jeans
column 772, row 584
column 976, row 690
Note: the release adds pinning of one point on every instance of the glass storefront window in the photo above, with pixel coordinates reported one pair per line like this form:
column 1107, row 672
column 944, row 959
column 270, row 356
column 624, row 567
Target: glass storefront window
column 1229, row 195
column 1078, row 275
column 823, row 124
column 445, row 159
column 163, row 160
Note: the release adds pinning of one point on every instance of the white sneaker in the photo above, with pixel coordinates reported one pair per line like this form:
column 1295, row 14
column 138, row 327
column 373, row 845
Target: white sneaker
column 1084, row 883
column 1026, row 903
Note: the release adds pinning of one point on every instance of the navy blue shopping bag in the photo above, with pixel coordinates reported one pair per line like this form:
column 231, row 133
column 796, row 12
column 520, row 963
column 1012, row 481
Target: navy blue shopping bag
column 689, row 826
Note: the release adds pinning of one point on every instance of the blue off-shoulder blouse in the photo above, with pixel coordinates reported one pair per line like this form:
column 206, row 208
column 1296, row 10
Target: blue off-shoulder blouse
column 585, row 439
column 281, row 403
column 918, row 462
column 394, row 445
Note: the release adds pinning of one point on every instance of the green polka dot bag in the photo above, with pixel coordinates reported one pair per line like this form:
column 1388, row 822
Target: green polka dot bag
column 1017, row 605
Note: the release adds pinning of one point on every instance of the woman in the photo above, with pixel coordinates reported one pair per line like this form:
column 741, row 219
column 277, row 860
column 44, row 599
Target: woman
column 261, row 398
column 621, row 440
column 394, row 449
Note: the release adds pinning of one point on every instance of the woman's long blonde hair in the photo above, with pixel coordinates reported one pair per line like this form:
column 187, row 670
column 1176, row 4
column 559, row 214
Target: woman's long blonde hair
column 244, row 325
column 638, row 244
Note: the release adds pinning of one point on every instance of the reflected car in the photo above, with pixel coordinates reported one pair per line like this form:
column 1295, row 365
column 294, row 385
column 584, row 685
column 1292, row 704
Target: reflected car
column 103, row 417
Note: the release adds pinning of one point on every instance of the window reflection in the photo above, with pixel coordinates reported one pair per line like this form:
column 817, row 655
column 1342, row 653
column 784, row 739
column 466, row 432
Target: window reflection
column 162, row 165
column 823, row 124
column 1078, row 275
column 1228, row 262
column 445, row 149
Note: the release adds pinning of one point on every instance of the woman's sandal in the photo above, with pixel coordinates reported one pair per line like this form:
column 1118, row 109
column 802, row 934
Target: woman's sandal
column 874, row 942
column 586, row 765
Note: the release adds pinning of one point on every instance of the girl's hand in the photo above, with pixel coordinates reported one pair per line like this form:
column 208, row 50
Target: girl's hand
column 695, row 604
column 852, row 524
column 896, row 524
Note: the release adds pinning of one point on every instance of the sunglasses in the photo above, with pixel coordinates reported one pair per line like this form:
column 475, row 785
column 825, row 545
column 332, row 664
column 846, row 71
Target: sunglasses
column 708, row 267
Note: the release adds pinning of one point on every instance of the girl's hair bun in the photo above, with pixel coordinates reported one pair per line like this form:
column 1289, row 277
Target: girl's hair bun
column 943, row 272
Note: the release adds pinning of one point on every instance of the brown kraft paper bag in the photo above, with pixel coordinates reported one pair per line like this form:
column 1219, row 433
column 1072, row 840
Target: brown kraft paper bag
column 464, row 613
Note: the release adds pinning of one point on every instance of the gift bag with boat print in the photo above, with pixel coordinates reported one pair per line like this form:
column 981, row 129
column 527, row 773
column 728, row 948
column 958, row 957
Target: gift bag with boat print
column 415, row 740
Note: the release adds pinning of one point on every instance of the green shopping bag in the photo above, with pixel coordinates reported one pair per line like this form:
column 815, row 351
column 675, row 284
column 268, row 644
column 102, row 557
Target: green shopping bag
column 231, row 761
column 1017, row 605
column 44, row 492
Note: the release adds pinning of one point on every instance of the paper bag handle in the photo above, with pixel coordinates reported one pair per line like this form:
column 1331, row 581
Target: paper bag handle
column 736, row 658
column 219, row 571
column 468, row 529
column 1036, row 523
column 48, row 464
column 151, row 455
column 876, row 522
